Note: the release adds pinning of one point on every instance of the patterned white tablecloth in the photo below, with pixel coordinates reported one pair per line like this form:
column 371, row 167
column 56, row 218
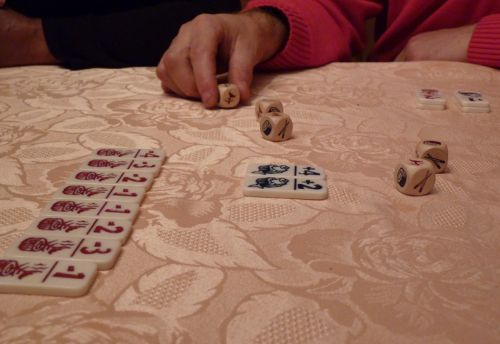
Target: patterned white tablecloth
column 206, row 265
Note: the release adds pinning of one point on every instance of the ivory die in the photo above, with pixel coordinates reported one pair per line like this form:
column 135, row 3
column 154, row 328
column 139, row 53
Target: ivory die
column 276, row 126
column 434, row 151
column 414, row 177
column 229, row 96
column 264, row 106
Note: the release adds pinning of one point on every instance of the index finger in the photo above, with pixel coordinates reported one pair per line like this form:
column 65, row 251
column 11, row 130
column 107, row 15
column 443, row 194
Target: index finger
column 203, row 54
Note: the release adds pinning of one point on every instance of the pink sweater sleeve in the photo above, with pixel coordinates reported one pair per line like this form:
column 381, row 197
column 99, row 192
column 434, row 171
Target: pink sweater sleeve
column 321, row 31
column 484, row 47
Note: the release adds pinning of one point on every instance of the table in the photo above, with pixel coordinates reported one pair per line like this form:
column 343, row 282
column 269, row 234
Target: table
column 206, row 265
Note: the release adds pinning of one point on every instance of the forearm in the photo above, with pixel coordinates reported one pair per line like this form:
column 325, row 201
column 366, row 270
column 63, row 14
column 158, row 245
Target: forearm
column 484, row 47
column 320, row 31
column 273, row 30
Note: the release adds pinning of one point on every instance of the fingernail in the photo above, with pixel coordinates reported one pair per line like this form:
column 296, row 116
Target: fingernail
column 209, row 99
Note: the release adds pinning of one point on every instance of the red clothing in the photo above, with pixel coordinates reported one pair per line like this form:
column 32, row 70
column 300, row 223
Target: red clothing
column 323, row 31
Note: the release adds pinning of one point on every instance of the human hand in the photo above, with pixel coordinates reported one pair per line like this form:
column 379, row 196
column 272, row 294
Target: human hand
column 224, row 42
column 445, row 45
column 2, row 3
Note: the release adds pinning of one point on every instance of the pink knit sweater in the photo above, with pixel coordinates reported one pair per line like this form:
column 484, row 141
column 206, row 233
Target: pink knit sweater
column 323, row 31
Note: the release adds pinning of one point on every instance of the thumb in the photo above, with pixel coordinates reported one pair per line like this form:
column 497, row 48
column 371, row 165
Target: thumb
column 401, row 56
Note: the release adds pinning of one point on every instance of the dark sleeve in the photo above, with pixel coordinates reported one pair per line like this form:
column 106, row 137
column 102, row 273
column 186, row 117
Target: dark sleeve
column 135, row 37
column 55, row 8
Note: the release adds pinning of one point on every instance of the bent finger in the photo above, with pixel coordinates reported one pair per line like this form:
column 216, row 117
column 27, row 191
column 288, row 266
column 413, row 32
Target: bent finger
column 203, row 57
column 241, row 65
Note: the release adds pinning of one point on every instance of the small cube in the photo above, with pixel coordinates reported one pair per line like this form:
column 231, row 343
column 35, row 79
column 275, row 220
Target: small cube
column 264, row 106
column 276, row 126
column 434, row 151
column 229, row 96
column 414, row 177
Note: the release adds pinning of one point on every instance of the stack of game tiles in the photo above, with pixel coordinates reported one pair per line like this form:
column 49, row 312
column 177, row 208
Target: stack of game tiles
column 472, row 101
column 285, row 181
column 82, row 228
column 430, row 99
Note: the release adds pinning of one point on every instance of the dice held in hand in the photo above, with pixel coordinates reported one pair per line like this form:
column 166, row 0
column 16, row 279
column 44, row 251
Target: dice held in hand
column 229, row 96
column 414, row 177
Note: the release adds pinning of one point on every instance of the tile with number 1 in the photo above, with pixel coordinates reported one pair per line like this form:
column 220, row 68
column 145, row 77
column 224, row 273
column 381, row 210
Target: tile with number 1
column 150, row 154
column 96, row 177
column 115, row 193
column 101, row 209
column 24, row 275
column 131, row 165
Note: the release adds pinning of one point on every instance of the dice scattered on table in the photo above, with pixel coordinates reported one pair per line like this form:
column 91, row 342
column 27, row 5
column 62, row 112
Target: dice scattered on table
column 264, row 106
column 414, row 177
column 434, row 151
column 276, row 126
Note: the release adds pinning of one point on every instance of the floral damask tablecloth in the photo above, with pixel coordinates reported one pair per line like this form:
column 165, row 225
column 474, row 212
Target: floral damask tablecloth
column 206, row 265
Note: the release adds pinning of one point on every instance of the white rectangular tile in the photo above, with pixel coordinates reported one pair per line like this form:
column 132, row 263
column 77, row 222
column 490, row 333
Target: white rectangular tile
column 100, row 209
column 117, row 164
column 94, row 177
column 150, row 154
column 471, row 99
column 285, row 170
column 281, row 187
column 81, row 227
column 431, row 107
column 102, row 252
column 430, row 96
column 476, row 109
column 115, row 193
column 37, row 276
